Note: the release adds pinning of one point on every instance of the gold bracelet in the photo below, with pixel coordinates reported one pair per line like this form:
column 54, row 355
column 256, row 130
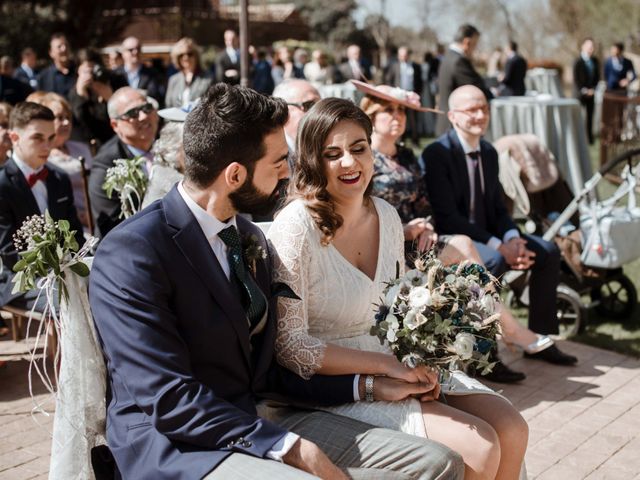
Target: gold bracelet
column 368, row 388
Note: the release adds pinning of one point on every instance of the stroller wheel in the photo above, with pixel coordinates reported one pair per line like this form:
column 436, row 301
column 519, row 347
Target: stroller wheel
column 616, row 298
column 570, row 312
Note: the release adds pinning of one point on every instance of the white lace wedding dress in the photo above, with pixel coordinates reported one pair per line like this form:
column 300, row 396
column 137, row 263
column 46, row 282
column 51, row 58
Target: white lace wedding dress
column 337, row 306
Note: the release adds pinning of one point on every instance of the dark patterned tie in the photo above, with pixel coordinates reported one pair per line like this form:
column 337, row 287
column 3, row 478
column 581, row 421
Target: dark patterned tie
column 480, row 214
column 254, row 302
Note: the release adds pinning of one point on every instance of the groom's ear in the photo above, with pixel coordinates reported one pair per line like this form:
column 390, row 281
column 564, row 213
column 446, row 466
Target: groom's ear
column 235, row 175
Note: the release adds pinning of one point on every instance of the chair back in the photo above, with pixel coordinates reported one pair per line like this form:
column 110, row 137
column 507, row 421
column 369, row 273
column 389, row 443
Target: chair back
column 85, row 191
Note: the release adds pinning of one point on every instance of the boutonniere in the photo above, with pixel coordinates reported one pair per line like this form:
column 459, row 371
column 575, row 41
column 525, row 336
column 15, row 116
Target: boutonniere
column 252, row 251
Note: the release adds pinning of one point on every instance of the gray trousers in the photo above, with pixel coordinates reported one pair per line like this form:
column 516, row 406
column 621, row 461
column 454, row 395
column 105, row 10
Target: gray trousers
column 359, row 449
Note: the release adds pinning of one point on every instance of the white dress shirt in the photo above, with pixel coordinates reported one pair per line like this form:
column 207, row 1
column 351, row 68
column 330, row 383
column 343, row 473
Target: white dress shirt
column 406, row 76
column 39, row 189
column 494, row 242
column 211, row 227
column 133, row 77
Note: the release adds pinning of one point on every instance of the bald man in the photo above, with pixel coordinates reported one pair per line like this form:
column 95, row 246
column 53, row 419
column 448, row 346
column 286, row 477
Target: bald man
column 467, row 198
column 300, row 96
column 134, row 119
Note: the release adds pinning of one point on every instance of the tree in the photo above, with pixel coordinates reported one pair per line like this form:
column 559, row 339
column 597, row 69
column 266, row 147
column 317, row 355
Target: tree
column 332, row 24
column 31, row 22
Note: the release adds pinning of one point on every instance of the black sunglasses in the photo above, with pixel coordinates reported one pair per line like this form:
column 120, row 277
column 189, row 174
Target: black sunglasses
column 134, row 113
column 304, row 106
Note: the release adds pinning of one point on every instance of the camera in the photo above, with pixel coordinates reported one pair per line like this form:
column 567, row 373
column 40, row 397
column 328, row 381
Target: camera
column 100, row 74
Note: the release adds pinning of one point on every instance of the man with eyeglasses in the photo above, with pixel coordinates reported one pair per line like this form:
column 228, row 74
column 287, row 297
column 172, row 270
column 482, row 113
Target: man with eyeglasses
column 300, row 96
column 136, row 73
column 467, row 199
column 134, row 119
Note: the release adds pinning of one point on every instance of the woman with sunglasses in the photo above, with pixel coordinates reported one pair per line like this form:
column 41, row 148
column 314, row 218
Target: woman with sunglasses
column 398, row 178
column 189, row 82
column 336, row 247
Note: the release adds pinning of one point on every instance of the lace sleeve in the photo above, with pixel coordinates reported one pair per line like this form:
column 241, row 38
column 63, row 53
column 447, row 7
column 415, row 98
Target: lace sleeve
column 295, row 348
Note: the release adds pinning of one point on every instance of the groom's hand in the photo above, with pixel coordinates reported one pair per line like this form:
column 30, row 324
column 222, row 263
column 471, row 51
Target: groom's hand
column 393, row 390
column 307, row 456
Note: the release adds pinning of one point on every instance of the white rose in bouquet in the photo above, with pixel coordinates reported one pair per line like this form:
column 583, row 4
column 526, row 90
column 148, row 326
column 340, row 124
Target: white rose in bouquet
column 419, row 297
column 488, row 303
column 390, row 297
column 393, row 323
column 463, row 345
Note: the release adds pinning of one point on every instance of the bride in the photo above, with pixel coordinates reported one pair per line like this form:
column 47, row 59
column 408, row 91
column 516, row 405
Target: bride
column 336, row 246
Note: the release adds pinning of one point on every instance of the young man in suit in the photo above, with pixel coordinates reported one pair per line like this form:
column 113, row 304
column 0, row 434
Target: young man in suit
column 228, row 62
column 29, row 186
column 456, row 70
column 135, row 120
column 586, row 75
column 467, row 198
column 26, row 72
column 515, row 69
column 138, row 75
column 188, row 324
column 407, row 75
column 618, row 70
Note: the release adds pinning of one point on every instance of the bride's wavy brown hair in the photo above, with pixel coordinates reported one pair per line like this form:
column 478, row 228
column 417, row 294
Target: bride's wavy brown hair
column 310, row 176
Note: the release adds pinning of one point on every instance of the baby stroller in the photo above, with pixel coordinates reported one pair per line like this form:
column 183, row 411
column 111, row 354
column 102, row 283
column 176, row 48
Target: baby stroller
column 596, row 238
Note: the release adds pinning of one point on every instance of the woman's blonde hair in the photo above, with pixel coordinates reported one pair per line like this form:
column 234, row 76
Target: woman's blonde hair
column 310, row 177
column 49, row 99
column 184, row 45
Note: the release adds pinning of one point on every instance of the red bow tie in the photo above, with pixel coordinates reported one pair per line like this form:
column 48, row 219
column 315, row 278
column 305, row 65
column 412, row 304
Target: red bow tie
column 33, row 178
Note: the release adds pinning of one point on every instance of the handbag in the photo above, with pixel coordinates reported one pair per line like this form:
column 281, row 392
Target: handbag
column 611, row 232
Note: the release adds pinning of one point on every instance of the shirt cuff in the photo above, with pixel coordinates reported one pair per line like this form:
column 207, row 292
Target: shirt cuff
column 513, row 233
column 282, row 446
column 494, row 242
column 356, row 393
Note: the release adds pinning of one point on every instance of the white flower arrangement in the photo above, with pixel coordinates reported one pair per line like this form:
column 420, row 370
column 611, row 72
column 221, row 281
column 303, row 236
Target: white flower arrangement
column 444, row 317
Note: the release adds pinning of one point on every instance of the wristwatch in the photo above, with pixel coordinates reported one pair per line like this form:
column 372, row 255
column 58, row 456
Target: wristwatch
column 368, row 388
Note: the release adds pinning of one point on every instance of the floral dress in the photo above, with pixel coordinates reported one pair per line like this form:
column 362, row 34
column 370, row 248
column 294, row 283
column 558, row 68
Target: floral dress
column 400, row 182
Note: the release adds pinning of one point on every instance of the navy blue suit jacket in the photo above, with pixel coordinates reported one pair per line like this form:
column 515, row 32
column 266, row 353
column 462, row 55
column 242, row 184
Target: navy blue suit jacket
column 183, row 376
column 613, row 76
column 449, row 191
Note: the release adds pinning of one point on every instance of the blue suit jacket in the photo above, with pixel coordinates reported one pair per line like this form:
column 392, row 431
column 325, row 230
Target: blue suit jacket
column 183, row 377
column 449, row 191
column 613, row 76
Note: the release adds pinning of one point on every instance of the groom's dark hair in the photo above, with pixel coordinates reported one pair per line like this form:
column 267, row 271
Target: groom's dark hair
column 228, row 125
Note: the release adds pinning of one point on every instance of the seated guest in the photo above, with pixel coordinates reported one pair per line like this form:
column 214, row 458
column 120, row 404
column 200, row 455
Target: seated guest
column 300, row 96
column 168, row 155
column 66, row 153
column 60, row 76
column 190, row 82
column 89, row 97
column 134, row 119
column 5, row 140
column 175, row 277
column 13, row 91
column 136, row 73
column 27, row 72
column 29, row 186
column 467, row 198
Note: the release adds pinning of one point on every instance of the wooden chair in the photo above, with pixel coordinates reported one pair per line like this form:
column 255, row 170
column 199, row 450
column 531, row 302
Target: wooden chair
column 85, row 191
column 19, row 317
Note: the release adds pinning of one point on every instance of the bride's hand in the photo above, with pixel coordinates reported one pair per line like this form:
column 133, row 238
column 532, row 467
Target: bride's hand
column 421, row 373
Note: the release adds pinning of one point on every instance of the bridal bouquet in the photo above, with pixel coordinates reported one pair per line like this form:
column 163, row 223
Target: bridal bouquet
column 444, row 317
column 128, row 179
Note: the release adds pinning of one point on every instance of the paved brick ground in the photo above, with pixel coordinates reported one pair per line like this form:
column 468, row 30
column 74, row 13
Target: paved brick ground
column 584, row 421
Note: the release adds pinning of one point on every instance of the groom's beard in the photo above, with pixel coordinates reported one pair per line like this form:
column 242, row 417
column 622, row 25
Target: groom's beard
column 248, row 199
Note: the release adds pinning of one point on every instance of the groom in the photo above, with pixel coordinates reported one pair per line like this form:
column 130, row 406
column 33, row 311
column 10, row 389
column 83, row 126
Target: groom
column 187, row 326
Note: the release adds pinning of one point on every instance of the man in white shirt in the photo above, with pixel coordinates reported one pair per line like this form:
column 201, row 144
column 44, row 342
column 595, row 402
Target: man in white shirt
column 186, row 317
column 29, row 186
column 135, row 73
column 27, row 72
column 228, row 62
column 467, row 199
